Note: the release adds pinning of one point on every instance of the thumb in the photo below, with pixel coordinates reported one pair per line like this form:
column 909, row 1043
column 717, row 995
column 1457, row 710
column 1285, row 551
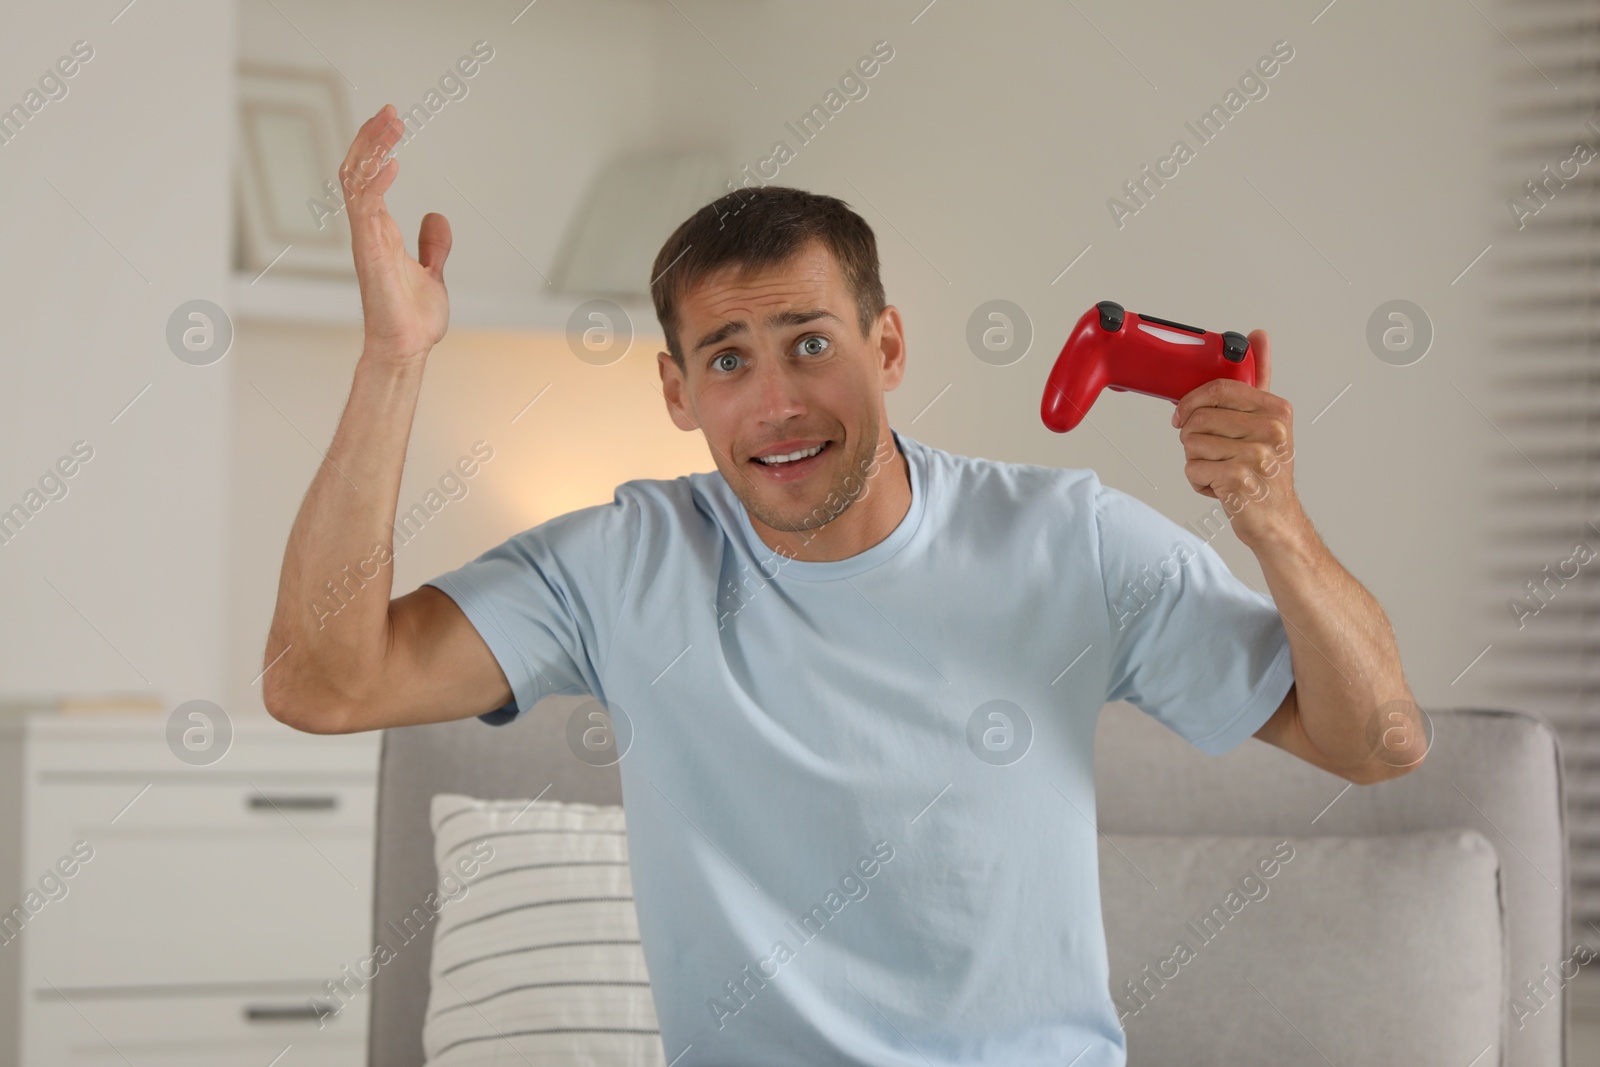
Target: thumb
column 1262, row 348
column 433, row 243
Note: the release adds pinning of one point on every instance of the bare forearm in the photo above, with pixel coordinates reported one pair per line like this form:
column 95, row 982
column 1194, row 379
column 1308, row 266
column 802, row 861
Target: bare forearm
column 330, row 627
column 1349, row 682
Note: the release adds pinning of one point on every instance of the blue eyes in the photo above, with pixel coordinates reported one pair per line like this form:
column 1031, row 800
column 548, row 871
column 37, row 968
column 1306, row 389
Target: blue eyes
column 806, row 347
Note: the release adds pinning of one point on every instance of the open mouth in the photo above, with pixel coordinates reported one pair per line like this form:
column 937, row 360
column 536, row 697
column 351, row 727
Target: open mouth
column 791, row 466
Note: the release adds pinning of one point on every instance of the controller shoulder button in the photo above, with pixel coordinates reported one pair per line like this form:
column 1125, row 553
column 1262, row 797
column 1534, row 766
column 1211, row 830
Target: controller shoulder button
column 1111, row 315
column 1234, row 346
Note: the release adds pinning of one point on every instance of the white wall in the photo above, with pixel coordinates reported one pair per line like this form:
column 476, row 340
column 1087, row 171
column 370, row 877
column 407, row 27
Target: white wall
column 115, row 209
column 983, row 156
column 569, row 87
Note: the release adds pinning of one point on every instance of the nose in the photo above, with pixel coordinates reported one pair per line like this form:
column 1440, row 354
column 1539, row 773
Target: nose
column 778, row 391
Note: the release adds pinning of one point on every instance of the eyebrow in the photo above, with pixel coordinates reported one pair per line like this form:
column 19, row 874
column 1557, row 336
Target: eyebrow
column 776, row 319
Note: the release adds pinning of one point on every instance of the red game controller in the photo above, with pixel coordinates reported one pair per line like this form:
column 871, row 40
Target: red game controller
column 1133, row 353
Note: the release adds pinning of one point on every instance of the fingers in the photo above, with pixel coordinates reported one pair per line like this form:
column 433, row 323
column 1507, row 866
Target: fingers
column 1220, row 392
column 1258, row 455
column 1239, row 425
column 433, row 243
column 366, row 171
column 1206, row 477
column 1230, row 394
column 1261, row 345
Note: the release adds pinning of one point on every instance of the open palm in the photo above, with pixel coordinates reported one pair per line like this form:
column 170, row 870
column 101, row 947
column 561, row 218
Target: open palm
column 404, row 306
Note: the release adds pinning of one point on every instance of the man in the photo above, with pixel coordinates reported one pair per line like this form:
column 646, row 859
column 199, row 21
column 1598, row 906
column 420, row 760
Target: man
column 862, row 674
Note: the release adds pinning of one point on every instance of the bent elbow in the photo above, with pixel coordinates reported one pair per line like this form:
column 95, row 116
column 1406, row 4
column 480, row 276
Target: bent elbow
column 1383, row 771
column 299, row 713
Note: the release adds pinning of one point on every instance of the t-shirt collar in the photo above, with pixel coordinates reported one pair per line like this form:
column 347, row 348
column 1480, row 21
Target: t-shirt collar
column 774, row 564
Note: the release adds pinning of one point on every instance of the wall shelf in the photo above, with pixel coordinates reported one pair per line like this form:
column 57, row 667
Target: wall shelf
column 338, row 303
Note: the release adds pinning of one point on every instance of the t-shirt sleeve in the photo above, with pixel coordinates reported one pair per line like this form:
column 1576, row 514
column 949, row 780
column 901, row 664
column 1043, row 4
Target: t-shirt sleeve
column 547, row 600
column 1191, row 644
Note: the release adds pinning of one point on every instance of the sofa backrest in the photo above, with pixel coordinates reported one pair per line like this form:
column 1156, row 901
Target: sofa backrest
column 527, row 758
column 1497, row 772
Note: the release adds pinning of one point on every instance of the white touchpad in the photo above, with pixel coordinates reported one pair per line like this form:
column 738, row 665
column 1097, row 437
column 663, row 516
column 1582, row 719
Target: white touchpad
column 1172, row 335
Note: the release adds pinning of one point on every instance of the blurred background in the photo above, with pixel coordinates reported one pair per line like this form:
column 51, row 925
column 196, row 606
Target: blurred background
column 1407, row 203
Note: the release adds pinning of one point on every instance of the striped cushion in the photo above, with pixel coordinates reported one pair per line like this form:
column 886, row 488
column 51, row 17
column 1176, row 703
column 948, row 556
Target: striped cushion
column 542, row 951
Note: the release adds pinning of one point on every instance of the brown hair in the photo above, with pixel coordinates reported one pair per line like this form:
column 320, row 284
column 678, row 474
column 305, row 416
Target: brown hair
column 752, row 229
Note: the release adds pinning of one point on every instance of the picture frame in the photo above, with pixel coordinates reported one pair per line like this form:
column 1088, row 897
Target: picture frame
column 294, row 130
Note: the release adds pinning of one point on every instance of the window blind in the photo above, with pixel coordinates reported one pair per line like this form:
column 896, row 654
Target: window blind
column 1545, row 479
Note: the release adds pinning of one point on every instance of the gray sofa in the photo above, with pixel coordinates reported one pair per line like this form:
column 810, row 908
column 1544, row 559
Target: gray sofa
column 1487, row 802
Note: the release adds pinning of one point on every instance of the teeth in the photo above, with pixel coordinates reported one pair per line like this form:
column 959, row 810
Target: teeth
column 791, row 457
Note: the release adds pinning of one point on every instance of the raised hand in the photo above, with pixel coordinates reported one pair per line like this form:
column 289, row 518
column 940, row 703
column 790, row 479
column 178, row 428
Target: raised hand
column 404, row 307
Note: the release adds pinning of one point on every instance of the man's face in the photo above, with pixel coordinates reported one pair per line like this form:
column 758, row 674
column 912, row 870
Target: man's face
column 774, row 363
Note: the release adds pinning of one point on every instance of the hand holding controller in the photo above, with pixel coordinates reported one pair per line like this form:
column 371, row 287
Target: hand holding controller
column 1129, row 352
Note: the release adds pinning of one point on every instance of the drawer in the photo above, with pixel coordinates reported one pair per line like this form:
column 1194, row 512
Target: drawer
column 234, row 1029
column 69, row 744
column 64, row 812
column 272, row 900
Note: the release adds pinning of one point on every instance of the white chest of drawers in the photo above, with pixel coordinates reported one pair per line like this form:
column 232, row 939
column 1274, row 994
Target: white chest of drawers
column 154, row 912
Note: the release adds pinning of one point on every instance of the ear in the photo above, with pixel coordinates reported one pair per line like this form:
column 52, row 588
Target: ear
column 891, row 347
column 674, row 391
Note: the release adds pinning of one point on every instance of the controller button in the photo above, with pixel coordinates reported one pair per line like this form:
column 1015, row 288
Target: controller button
column 1234, row 346
column 1111, row 315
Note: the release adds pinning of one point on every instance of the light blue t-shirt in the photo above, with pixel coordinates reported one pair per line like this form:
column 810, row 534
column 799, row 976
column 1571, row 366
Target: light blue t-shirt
column 859, row 793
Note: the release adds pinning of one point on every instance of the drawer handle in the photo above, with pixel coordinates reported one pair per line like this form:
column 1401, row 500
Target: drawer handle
column 299, row 802
column 284, row 1013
